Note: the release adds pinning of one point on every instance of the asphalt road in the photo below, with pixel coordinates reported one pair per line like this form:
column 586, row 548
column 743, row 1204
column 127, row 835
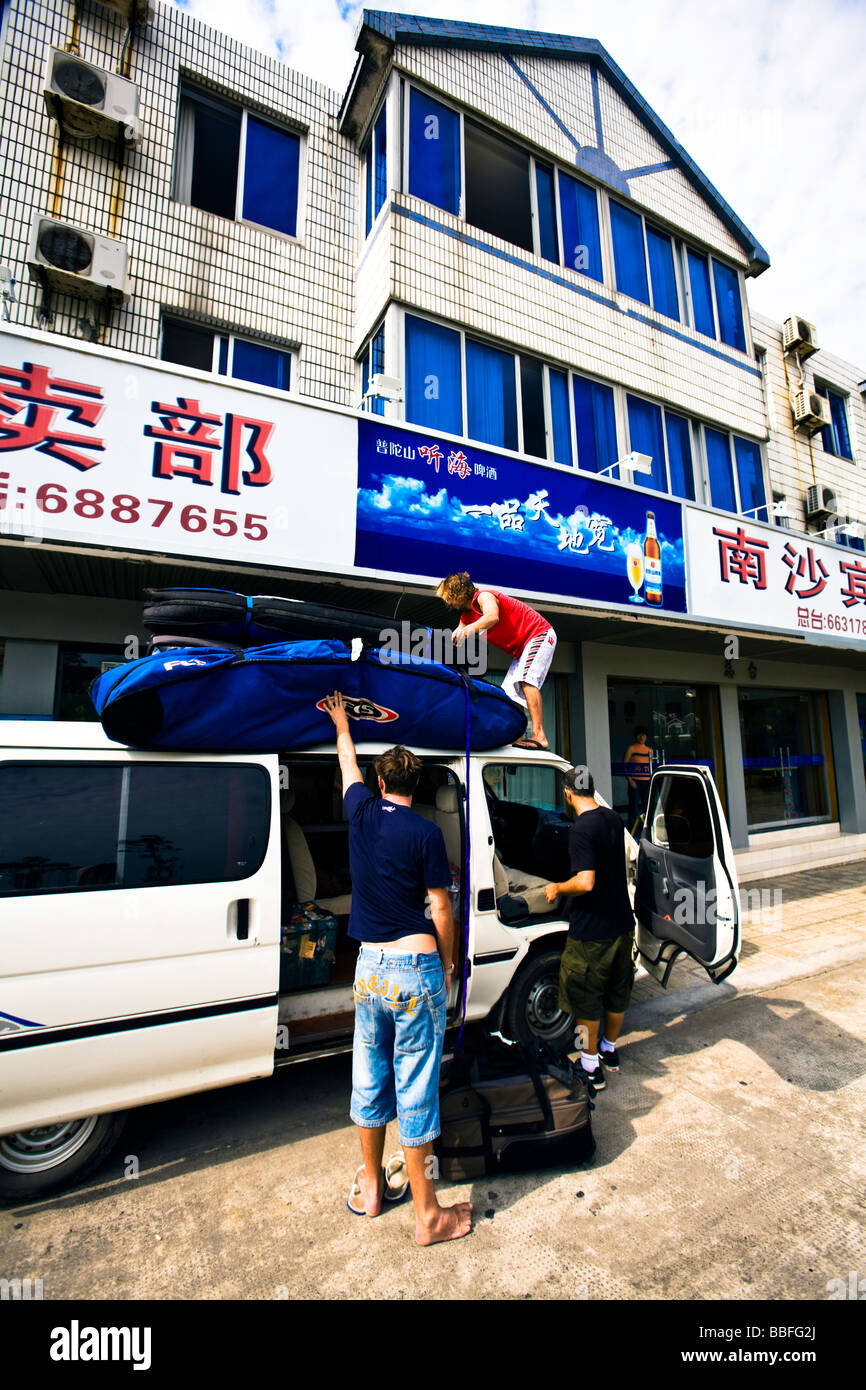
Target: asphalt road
column 730, row 1164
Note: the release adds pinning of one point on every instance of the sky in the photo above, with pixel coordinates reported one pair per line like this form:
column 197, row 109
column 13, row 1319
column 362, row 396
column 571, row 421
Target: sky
column 765, row 95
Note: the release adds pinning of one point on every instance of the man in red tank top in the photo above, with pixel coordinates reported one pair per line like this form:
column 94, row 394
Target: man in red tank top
column 515, row 628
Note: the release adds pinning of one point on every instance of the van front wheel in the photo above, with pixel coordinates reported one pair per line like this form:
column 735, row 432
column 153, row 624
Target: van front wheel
column 37, row 1161
column 532, row 1008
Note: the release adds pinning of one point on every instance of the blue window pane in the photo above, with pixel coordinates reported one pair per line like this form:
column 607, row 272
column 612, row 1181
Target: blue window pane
column 491, row 395
column 267, row 366
column 751, row 478
column 835, row 437
column 368, row 189
column 662, row 275
column 731, row 330
column 680, row 457
column 271, row 164
column 434, row 152
column 224, row 357
column 374, row 362
column 595, row 423
column 380, row 140
column 628, row 252
column 560, row 417
column 581, row 245
column 646, row 437
column 548, row 241
column 434, row 383
column 702, row 295
column 721, row 473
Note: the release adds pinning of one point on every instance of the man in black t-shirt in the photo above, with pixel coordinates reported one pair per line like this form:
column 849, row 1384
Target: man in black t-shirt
column 597, row 970
column 404, row 971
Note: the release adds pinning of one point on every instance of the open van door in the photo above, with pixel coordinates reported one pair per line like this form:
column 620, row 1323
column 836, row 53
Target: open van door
column 687, row 897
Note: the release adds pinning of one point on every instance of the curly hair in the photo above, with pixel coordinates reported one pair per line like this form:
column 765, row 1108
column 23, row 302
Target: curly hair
column 457, row 590
column 399, row 769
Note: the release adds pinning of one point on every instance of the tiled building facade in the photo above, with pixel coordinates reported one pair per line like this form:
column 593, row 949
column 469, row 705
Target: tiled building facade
column 478, row 201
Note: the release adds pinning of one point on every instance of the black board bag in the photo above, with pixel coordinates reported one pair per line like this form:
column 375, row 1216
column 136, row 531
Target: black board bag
column 221, row 617
column 511, row 1108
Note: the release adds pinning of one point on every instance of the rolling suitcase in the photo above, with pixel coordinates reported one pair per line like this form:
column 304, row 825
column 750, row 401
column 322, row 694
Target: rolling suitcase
column 512, row 1108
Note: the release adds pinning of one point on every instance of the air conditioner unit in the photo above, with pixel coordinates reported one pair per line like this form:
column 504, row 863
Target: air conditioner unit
column 811, row 411
column 76, row 261
column 822, row 502
column 133, row 11
column 88, row 101
column 799, row 336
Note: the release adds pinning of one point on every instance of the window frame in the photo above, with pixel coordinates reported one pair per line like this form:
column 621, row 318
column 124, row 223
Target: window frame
column 675, row 242
column 549, row 162
column 828, row 392
column 515, row 355
column 188, row 89
column 368, row 175
column 365, row 362
column 220, row 336
column 730, row 435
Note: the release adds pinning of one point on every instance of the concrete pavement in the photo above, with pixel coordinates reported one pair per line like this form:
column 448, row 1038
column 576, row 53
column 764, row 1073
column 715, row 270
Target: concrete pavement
column 730, row 1163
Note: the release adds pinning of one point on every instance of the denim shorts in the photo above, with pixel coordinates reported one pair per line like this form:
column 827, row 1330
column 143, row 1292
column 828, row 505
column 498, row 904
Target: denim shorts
column 397, row 1052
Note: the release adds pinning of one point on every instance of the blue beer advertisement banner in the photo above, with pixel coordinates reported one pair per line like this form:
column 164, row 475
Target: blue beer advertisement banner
column 429, row 506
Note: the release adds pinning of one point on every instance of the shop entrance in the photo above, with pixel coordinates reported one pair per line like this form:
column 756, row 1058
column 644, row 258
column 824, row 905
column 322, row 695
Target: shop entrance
column 682, row 726
column 785, row 734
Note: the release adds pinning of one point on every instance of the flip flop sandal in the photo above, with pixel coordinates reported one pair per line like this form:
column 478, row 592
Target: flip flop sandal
column 396, row 1178
column 356, row 1194
column 530, row 743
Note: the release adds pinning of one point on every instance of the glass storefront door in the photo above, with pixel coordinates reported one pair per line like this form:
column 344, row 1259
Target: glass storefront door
column 682, row 726
column 783, row 757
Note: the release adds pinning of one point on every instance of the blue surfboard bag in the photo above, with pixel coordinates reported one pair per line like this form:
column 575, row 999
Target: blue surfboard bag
column 269, row 699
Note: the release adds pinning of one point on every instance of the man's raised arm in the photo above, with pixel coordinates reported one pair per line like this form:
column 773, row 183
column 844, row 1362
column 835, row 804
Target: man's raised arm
column 333, row 705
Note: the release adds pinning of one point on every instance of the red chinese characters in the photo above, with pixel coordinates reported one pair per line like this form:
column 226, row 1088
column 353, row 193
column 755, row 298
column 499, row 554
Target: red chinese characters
column 742, row 557
column 41, row 401
column 854, row 575
column 189, row 445
column 804, row 566
column 458, row 463
column 431, row 453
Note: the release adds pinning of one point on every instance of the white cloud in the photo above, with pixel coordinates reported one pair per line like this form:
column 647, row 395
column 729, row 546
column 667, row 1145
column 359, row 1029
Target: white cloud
column 766, row 96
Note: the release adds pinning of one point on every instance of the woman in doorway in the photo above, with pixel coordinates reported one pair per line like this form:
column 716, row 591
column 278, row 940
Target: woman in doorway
column 639, row 758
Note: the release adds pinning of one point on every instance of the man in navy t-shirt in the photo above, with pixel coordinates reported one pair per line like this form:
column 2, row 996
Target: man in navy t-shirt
column 405, row 967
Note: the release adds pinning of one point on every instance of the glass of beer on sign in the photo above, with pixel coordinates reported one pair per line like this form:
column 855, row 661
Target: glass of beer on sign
column 634, row 569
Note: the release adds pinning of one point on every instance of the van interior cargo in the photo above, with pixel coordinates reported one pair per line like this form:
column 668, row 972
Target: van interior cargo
column 317, row 954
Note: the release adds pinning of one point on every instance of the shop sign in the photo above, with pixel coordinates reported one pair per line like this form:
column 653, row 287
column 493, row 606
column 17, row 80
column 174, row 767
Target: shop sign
column 111, row 452
column 741, row 571
column 428, row 506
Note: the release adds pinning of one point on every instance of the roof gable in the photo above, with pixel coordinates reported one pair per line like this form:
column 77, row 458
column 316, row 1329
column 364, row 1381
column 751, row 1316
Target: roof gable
column 380, row 32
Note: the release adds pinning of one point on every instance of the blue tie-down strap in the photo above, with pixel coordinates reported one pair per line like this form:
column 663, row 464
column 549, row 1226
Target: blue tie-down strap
column 271, row 699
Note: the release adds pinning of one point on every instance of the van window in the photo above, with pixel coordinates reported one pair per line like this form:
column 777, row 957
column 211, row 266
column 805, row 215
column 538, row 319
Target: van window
column 679, row 817
column 530, row 836
column 67, row 827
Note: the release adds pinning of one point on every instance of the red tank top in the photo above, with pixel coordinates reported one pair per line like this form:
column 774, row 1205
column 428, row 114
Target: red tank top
column 518, row 623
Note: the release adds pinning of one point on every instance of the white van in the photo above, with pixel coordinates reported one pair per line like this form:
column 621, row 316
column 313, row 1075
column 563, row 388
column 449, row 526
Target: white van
column 143, row 895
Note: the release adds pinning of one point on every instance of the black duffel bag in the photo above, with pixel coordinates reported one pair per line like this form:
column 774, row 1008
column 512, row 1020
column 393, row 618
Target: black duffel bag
column 512, row 1108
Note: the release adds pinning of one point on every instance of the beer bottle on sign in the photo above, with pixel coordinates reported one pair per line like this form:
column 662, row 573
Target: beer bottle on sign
column 652, row 562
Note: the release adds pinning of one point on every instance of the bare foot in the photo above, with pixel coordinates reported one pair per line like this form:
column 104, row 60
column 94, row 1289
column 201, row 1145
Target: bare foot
column 449, row 1223
column 371, row 1192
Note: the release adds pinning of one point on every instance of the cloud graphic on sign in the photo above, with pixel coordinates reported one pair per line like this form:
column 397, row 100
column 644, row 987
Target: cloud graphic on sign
column 413, row 512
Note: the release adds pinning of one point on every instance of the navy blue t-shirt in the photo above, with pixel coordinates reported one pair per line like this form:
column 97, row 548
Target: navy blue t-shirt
column 395, row 855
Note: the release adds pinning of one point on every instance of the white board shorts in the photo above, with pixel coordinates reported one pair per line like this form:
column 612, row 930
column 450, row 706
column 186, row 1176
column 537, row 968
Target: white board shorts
column 531, row 666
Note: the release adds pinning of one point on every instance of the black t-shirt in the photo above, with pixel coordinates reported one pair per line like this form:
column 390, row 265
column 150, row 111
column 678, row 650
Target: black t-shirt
column 595, row 841
column 395, row 855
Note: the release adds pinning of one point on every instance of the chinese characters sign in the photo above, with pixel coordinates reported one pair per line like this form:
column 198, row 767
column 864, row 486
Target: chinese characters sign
column 427, row 507
column 113, row 452
column 769, row 578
